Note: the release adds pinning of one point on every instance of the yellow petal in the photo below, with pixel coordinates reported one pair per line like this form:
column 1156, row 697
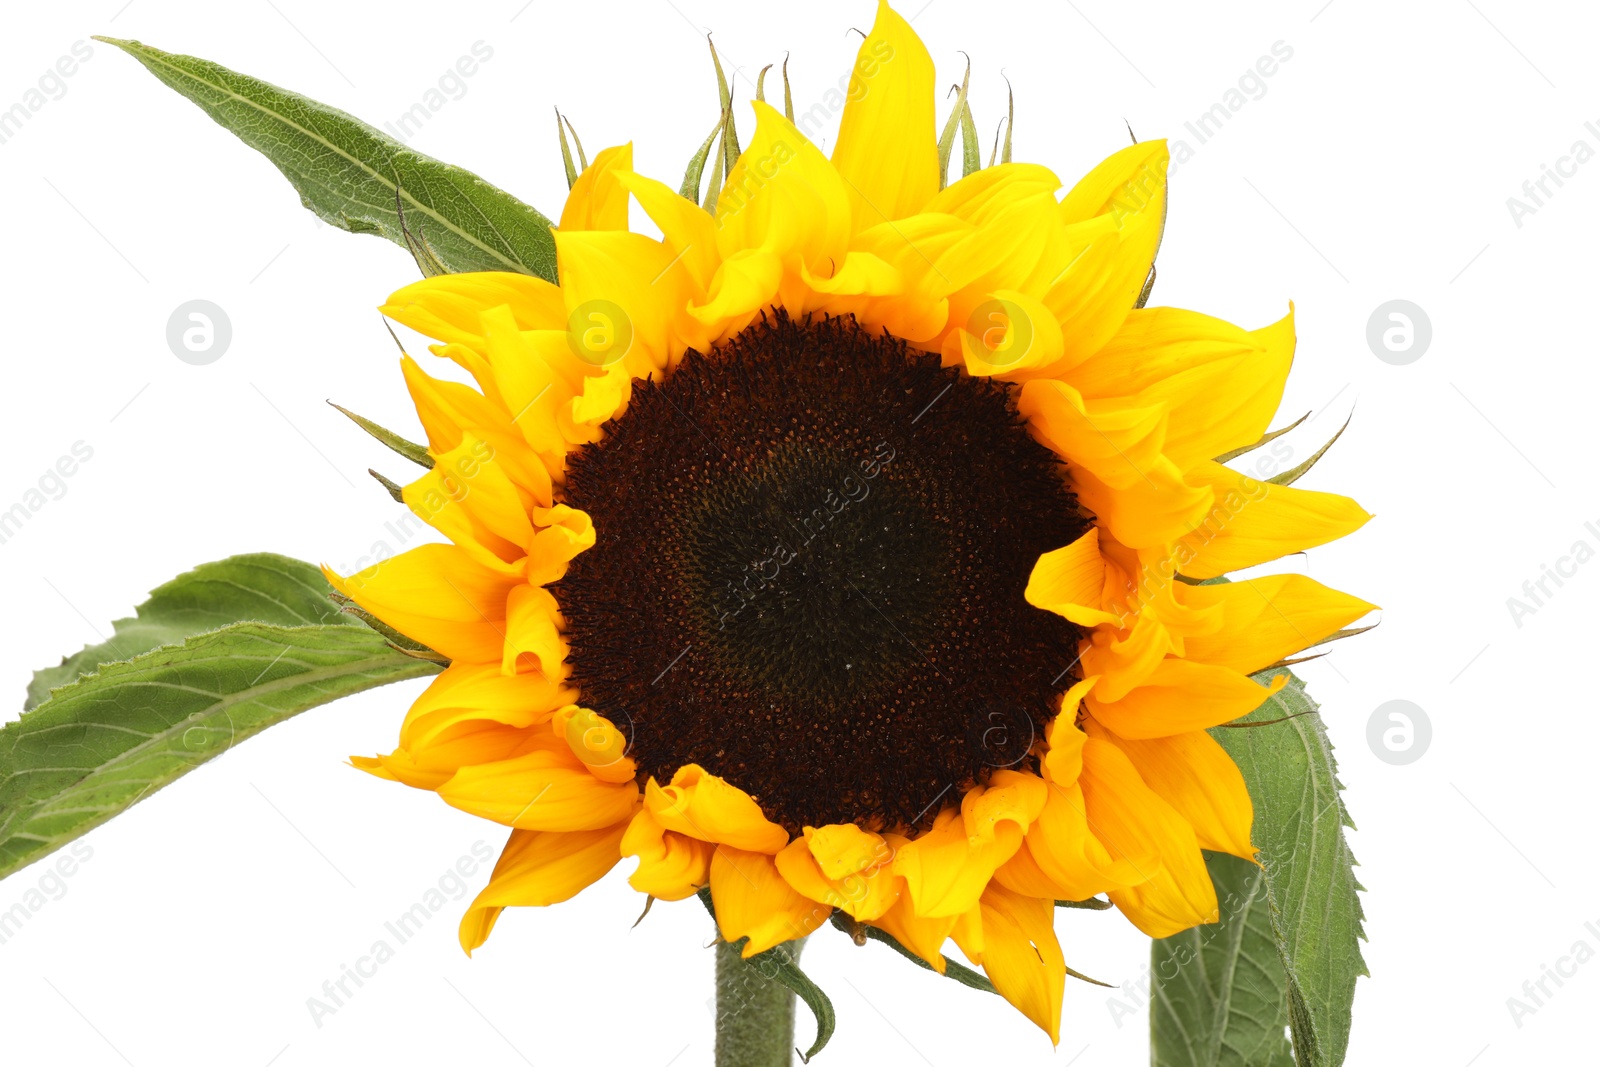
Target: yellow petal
column 1022, row 874
column 563, row 533
column 1177, row 893
column 845, row 849
column 448, row 410
column 1070, row 581
column 532, row 638
column 1079, row 856
column 470, row 499
column 1010, row 336
column 753, row 900
column 533, row 371
column 784, row 197
column 439, row 595
column 887, row 151
column 1130, row 179
column 1174, row 890
column 923, row 936
column 704, row 806
column 1228, row 403
column 1022, row 956
column 447, row 307
column 1264, row 620
column 626, row 296
column 1064, row 761
column 744, row 284
column 1180, row 696
column 913, row 248
column 982, row 195
column 1253, row 522
column 688, row 230
column 469, row 744
column 472, row 692
column 1118, row 441
column 599, row 745
column 1092, row 296
column 1157, row 509
column 548, row 789
column 539, row 868
column 947, row 867
column 598, row 201
column 1003, row 256
column 672, row 866
column 1125, row 660
column 865, row 893
column 1010, row 802
column 1200, row 780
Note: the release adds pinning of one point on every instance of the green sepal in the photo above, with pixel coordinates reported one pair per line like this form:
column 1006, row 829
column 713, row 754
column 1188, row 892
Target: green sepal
column 1289, row 477
column 566, row 151
column 409, row 449
column 971, row 150
column 393, row 488
column 861, row 933
column 947, row 137
column 1266, row 438
column 1092, row 904
column 730, row 140
column 690, row 189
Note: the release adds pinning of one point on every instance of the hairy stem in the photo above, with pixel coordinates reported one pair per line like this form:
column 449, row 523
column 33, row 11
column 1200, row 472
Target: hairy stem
column 755, row 1014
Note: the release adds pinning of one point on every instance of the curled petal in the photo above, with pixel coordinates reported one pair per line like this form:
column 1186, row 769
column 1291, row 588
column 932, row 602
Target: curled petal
column 672, row 866
column 704, row 806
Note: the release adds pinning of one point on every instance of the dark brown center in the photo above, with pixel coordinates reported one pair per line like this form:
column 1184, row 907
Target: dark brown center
column 811, row 549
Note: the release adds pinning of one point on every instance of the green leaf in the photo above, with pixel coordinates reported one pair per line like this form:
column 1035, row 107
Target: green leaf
column 1306, row 864
column 260, row 587
column 1219, row 996
column 359, row 179
column 778, row 965
column 175, row 699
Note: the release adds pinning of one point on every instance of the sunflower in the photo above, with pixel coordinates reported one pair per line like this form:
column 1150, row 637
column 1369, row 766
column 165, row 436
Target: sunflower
column 842, row 550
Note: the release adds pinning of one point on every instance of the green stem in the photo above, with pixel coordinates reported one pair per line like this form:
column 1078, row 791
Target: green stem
column 755, row 1014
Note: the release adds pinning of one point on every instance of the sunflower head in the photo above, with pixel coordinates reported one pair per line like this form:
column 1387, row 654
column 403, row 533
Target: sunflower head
column 840, row 550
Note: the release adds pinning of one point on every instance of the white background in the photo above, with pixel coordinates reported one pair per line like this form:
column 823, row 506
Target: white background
column 1377, row 165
